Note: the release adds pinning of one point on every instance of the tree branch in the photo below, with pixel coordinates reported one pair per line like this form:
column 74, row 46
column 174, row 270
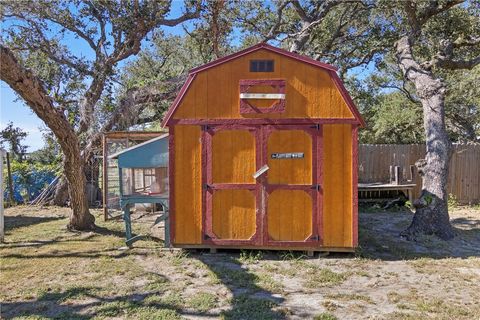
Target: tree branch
column 131, row 45
column 274, row 29
column 445, row 55
column 133, row 103
column 301, row 12
column 434, row 8
column 32, row 91
column 452, row 64
column 418, row 19
column 309, row 22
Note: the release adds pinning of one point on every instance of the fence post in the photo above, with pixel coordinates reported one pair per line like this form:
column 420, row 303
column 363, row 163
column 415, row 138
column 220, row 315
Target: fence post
column 2, row 221
column 11, row 200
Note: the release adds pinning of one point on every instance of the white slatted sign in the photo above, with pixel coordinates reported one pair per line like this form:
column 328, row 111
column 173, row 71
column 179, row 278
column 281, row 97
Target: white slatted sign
column 262, row 96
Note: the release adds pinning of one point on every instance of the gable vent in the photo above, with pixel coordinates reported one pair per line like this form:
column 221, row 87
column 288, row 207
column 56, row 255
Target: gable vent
column 261, row 65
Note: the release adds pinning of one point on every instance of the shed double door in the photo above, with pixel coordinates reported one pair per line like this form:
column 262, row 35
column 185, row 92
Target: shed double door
column 262, row 185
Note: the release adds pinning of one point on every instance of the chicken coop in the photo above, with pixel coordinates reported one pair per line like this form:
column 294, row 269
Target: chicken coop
column 263, row 154
column 143, row 180
column 113, row 143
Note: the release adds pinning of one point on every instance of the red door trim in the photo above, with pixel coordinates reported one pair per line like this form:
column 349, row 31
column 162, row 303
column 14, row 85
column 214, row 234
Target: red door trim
column 272, row 187
column 316, row 195
column 209, row 187
column 206, row 196
column 261, row 187
column 224, row 186
column 319, row 161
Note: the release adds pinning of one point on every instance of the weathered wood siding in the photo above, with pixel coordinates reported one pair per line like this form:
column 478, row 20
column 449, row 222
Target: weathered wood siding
column 463, row 180
column 337, row 185
column 310, row 92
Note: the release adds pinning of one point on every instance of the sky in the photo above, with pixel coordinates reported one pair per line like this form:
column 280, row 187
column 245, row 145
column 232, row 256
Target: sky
column 14, row 110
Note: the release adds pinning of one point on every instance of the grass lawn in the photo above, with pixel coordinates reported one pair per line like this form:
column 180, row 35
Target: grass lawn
column 50, row 273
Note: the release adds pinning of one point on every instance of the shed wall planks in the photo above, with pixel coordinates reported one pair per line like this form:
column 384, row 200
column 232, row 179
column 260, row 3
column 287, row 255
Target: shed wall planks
column 337, row 185
column 188, row 188
column 310, row 91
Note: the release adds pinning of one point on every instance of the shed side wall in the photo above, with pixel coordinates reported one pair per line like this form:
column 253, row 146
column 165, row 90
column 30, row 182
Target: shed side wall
column 188, row 189
column 310, row 92
column 337, row 185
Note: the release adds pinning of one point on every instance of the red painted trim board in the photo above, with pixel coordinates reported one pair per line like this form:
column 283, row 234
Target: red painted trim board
column 178, row 98
column 268, row 47
column 319, row 147
column 225, row 186
column 208, row 180
column 203, row 182
column 258, row 121
column 277, row 107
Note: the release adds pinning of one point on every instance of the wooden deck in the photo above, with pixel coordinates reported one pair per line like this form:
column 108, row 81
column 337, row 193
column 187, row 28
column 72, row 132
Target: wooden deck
column 378, row 186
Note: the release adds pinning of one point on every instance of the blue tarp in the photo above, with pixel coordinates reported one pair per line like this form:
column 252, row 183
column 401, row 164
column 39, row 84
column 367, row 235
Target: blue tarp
column 37, row 182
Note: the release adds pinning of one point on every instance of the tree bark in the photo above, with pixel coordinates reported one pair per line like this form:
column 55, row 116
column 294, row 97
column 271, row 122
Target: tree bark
column 431, row 214
column 60, row 197
column 31, row 89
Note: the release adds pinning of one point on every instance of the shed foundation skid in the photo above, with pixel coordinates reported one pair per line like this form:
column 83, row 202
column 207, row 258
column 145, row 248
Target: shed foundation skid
column 306, row 249
column 263, row 160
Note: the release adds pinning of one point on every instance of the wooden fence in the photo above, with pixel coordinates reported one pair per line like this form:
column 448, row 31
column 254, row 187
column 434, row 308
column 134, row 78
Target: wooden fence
column 464, row 176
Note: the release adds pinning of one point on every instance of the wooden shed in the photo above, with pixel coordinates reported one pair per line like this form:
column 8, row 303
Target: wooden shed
column 263, row 154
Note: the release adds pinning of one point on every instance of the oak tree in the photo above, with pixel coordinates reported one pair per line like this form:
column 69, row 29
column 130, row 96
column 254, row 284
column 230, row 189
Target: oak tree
column 64, row 85
column 435, row 36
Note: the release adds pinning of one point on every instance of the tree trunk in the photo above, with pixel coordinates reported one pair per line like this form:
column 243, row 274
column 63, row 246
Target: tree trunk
column 80, row 219
column 31, row 89
column 60, row 197
column 431, row 214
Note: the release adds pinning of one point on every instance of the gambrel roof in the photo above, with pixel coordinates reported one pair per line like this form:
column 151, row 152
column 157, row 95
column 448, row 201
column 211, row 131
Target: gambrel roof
column 332, row 71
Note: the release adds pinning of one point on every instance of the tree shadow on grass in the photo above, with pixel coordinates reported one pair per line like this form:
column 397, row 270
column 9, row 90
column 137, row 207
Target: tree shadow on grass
column 92, row 254
column 249, row 300
column 379, row 238
column 89, row 302
column 109, row 232
column 14, row 222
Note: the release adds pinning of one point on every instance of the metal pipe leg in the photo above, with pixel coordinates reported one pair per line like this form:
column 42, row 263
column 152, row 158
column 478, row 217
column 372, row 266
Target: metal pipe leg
column 128, row 223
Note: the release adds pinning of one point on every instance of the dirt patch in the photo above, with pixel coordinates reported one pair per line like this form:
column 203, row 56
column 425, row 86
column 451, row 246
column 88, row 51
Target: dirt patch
column 49, row 272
